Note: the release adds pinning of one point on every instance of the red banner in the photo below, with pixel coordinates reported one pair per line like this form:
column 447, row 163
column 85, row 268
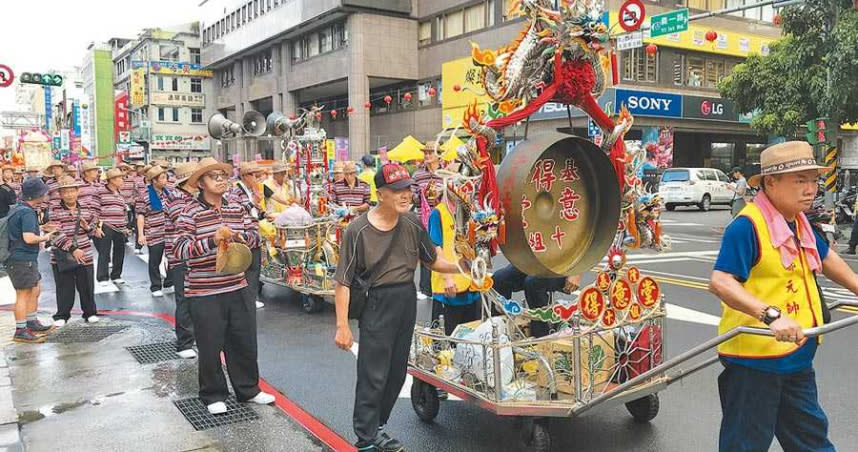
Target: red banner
column 121, row 121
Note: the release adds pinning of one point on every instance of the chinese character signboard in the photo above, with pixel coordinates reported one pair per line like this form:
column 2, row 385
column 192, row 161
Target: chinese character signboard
column 138, row 87
column 669, row 22
column 85, row 128
column 174, row 68
column 180, row 142
column 178, row 99
column 49, row 108
column 120, row 112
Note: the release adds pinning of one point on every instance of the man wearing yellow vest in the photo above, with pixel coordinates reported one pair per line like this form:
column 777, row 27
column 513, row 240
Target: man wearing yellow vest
column 368, row 176
column 451, row 294
column 765, row 278
column 278, row 190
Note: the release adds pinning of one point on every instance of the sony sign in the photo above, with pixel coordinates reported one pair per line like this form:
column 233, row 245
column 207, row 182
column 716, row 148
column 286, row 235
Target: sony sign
column 646, row 103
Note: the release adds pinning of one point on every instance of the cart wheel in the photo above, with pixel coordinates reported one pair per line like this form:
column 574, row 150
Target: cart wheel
column 312, row 303
column 424, row 399
column 644, row 409
column 535, row 436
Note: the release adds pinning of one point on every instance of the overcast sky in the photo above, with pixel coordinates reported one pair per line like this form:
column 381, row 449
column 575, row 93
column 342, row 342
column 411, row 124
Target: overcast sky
column 53, row 34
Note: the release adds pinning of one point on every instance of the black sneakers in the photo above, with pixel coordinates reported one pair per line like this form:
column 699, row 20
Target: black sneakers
column 26, row 336
column 38, row 328
column 382, row 443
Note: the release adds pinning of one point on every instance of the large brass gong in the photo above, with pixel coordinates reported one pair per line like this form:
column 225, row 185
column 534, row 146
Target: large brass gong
column 561, row 202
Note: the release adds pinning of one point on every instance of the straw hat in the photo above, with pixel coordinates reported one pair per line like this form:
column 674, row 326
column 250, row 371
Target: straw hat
column 249, row 168
column 68, row 182
column 162, row 163
column 32, row 169
column 338, row 167
column 88, row 166
column 8, row 167
column 53, row 164
column 124, row 165
column 138, row 164
column 113, row 172
column 789, row 157
column 185, row 170
column 204, row 166
column 279, row 168
column 349, row 167
column 430, row 146
column 154, row 172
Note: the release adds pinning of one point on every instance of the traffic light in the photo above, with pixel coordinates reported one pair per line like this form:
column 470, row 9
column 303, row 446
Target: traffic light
column 36, row 78
column 818, row 132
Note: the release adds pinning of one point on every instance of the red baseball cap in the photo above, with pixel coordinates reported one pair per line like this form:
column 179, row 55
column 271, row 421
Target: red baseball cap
column 393, row 176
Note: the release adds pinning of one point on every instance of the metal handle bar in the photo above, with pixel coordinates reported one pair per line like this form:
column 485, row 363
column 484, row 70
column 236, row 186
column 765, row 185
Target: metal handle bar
column 711, row 343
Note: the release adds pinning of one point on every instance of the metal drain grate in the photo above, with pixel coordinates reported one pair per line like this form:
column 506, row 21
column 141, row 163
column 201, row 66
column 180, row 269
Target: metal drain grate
column 198, row 415
column 153, row 353
column 84, row 333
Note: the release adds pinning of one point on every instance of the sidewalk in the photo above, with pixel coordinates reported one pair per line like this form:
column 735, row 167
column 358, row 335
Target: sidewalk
column 88, row 396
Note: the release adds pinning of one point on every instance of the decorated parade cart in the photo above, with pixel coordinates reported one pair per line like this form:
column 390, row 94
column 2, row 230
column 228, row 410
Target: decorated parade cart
column 559, row 205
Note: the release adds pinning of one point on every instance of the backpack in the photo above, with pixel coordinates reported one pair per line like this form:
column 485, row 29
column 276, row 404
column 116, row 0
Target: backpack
column 4, row 233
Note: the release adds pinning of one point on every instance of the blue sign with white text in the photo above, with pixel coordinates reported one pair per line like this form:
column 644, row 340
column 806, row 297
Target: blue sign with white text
column 49, row 108
column 648, row 103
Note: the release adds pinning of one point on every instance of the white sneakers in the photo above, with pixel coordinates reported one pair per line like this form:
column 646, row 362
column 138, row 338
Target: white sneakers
column 259, row 304
column 421, row 296
column 118, row 281
column 168, row 290
column 59, row 323
column 187, row 354
column 158, row 293
column 263, row 398
column 92, row 319
column 217, row 408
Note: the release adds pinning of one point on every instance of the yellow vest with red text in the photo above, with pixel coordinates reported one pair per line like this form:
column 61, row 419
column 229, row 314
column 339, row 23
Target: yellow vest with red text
column 448, row 231
column 792, row 290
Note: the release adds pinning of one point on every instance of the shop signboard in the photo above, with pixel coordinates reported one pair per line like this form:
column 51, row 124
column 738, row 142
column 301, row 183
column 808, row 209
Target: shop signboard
column 169, row 99
column 648, row 103
column 179, row 68
column 180, row 142
column 669, row 22
column 138, row 87
column 710, row 108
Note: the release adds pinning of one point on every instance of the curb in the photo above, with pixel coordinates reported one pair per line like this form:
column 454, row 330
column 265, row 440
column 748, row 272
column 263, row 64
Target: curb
column 10, row 434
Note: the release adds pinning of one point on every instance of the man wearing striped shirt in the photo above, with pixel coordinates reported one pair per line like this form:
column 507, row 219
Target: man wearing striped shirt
column 221, row 304
column 91, row 184
column 429, row 186
column 131, row 187
column 251, row 194
column 54, row 171
column 111, row 209
column 351, row 192
column 150, row 226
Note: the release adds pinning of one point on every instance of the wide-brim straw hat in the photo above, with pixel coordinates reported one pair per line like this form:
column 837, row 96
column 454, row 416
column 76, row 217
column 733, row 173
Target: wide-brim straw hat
column 205, row 165
column 338, row 167
column 68, row 182
column 154, row 172
column 185, row 170
column 124, row 165
column 430, row 146
column 279, row 168
column 250, row 168
column 789, row 157
column 113, row 172
column 53, row 164
column 161, row 163
column 138, row 164
column 88, row 166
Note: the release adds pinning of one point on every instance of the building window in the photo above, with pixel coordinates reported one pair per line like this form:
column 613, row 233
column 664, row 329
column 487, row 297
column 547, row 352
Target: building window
column 255, row 8
column 454, row 24
column 262, row 62
column 639, row 66
column 297, row 50
column 243, row 14
column 169, row 52
column 706, row 5
column 195, row 55
column 325, row 43
column 196, row 115
column 160, row 113
column 175, row 115
column 269, row 5
column 424, row 33
column 160, row 82
column 679, row 70
column 341, row 36
column 175, row 83
column 196, row 85
column 475, row 17
column 227, row 77
column 311, row 49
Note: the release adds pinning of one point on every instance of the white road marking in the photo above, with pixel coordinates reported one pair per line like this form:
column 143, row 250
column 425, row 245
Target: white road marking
column 676, row 312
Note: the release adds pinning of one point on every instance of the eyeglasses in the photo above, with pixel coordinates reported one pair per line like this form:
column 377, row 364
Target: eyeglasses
column 217, row 176
column 350, row 172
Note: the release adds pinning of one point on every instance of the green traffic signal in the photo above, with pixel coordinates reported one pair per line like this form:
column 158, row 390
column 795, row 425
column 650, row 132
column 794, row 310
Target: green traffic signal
column 36, row 78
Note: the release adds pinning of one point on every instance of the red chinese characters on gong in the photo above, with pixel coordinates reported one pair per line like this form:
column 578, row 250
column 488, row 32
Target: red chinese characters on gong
column 525, row 204
column 570, row 172
column 567, row 201
column 592, row 304
column 544, row 177
column 536, row 242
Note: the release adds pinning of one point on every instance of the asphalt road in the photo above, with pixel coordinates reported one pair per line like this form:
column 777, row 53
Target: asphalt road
column 298, row 357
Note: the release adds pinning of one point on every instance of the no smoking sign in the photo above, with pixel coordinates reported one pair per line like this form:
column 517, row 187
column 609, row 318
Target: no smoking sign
column 6, row 76
column 632, row 15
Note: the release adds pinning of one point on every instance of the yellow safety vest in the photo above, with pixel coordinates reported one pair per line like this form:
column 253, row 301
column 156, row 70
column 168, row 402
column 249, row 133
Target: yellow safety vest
column 284, row 191
column 448, row 231
column 792, row 290
column 369, row 178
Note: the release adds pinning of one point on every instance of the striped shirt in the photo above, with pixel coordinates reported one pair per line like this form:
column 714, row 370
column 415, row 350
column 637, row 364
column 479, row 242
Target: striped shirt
column 240, row 194
column 346, row 196
column 179, row 199
column 64, row 218
column 422, row 178
column 87, row 193
column 112, row 208
column 195, row 245
column 153, row 220
column 54, row 198
column 129, row 190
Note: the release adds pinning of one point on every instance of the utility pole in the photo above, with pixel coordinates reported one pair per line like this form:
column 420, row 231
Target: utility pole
column 832, row 12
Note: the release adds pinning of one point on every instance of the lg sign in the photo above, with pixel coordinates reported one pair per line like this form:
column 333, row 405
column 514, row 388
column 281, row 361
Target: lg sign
column 708, row 108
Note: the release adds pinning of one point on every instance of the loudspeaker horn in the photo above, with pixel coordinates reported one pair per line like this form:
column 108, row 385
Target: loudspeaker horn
column 253, row 123
column 276, row 124
column 220, row 127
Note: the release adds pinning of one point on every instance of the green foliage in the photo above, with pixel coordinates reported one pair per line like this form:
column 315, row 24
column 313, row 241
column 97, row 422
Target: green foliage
column 788, row 87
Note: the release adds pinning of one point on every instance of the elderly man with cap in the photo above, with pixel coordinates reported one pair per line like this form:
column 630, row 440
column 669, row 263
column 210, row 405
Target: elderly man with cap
column 151, row 218
column 111, row 209
column 71, row 259
column 282, row 192
column 53, row 172
column 221, row 303
column 428, row 186
column 765, row 277
column 171, row 178
column 180, row 197
column 250, row 193
column 337, row 172
column 23, row 263
column 351, row 192
column 90, row 182
column 8, row 196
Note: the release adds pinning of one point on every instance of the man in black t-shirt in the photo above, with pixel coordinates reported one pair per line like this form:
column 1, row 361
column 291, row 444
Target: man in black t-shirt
column 7, row 198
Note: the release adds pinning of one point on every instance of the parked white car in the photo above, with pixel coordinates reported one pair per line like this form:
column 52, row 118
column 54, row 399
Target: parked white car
column 701, row 187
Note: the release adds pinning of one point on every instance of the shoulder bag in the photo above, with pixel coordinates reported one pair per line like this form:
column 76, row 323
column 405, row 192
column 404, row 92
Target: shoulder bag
column 65, row 261
column 362, row 281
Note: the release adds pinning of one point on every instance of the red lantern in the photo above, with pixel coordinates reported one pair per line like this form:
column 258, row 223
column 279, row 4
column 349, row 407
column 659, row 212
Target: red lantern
column 407, row 97
column 318, row 116
column 457, row 87
column 350, row 110
column 334, row 114
column 651, row 49
column 431, row 92
column 711, row 35
column 388, row 99
column 777, row 20
column 367, row 105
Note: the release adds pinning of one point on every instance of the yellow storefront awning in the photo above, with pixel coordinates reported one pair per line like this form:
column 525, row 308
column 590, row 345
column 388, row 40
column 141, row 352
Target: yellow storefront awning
column 409, row 149
column 450, row 147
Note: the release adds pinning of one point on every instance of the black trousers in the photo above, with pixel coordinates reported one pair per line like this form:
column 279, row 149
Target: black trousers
column 80, row 280
column 226, row 323
column 132, row 226
column 156, row 255
column 253, row 272
column 184, row 324
column 537, row 292
column 386, row 329
column 456, row 315
column 111, row 248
